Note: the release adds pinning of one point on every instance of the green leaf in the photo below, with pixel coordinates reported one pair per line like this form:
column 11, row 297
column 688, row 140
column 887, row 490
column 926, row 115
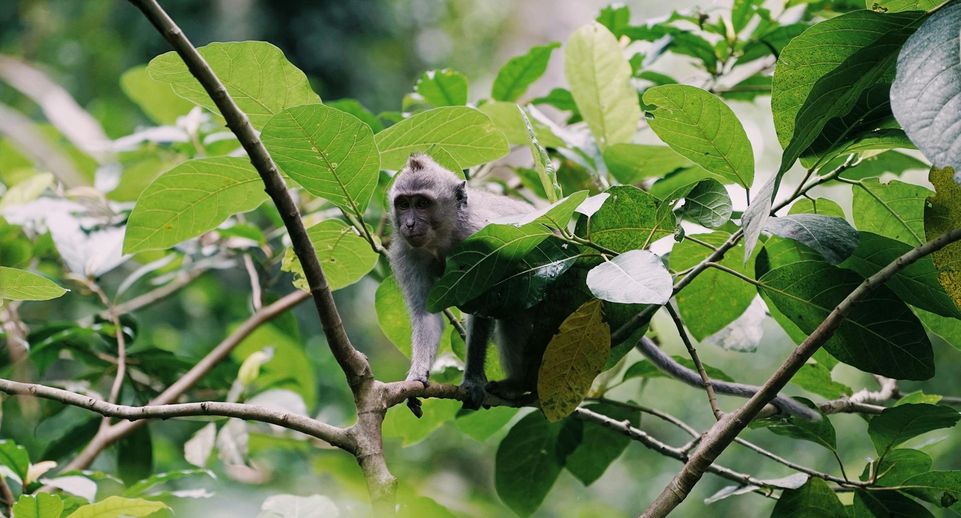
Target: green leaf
column 834, row 238
column 353, row 107
column 600, row 81
column 948, row 329
column 328, row 152
column 599, row 446
column 899, row 465
column 256, row 74
column 289, row 367
column 457, row 137
column 942, row 214
column 822, row 73
column 822, row 206
column 616, row 18
column 925, row 91
column 858, row 129
column 897, row 6
column 144, row 485
column 507, row 118
column 816, row 378
column 400, row 422
column 938, row 487
column 900, row 423
column 443, row 87
column 631, row 163
column 715, row 298
column 135, row 456
column 702, row 128
column 772, row 41
column 155, row 98
column 41, row 505
column 634, row 277
column 886, row 504
column 812, row 499
column 117, row 507
column 917, row 284
column 527, row 463
column 15, row 457
column 707, row 204
column 820, row 432
column 574, row 357
column 879, row 334
column 16, row 284
column 877, row 165
column 748, row 89
column 190, row 199
column 628, row 220
column 392, row 316
column 482, row 424
column 894, row 209
column 482, row 260
column 345, row 256
column 26, row 190
column 520, row 72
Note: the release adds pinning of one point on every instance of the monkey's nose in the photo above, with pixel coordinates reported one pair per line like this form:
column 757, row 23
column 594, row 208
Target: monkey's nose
column 409, row 224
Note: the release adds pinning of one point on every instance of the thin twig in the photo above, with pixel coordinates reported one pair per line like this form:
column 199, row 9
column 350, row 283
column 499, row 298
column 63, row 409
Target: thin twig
column 256, row 297
column 156, row 294
column 711, row 396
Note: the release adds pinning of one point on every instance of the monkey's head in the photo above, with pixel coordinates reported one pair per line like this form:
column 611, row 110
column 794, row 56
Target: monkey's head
column 426, row 203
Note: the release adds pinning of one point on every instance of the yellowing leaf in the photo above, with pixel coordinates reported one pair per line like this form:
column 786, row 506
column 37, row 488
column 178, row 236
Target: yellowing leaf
column 943, row 213
column 574, row 357
column 116, row 506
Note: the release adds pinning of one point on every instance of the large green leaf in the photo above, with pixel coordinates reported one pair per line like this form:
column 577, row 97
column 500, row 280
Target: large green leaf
column 599, row 446
column 894, row 209
column 345, row 256
column 527, row 463
column 879, row 334
column 628, row 220
column 871, row 504
column 813, row 499
column 925, row 93
column 400, row 422
column 600, row 81
column 456, row 136
column 634, row 277
column 482, row 424
column 917, row 284
column 715, row 298
column 942, row 214
column 329, row 152
column 702, row 128
column 897, row 6
column 117, row 507
column 41, row 505
column 820, row 432
column 190, row 199
column 833, row 238
column 631, row 163
column 16, row 284
column 574, row 357
column 822, row 73
column 443, row 87
column 942, row 488
column 482, row 260
column 897, row 466
column 256, row 74
column 900, row 423
column 517, row 74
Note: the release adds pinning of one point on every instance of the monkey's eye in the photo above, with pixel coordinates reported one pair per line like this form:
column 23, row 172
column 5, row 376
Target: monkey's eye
column 403, row 204
column 422, row 203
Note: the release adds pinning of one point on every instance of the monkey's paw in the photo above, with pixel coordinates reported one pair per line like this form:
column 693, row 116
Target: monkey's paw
column 419, row 376
column 475, row 393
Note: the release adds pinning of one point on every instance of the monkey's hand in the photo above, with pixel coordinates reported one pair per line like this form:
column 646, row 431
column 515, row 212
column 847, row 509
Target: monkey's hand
column 419, row 375
column 474, row 386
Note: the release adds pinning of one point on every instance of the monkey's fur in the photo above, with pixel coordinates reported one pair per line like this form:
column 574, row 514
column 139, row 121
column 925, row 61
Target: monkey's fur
column 433, row 210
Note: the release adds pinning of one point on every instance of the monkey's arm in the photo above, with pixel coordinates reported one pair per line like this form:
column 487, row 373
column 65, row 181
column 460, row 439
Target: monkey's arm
column 413, row 275
column 682, row 373
column 478, row 333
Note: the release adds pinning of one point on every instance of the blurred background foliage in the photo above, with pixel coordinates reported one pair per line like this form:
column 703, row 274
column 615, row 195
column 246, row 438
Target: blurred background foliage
column 373, row 51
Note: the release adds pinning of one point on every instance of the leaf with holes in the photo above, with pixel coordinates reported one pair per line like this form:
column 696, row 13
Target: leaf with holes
column 879, row 335
column 329, row 152
column 256, row 74
column 702, row 128
column 519, row 72
column 942, row 214
column 634, row 277
column 190, row 199
column 574, row 357
column 457, row 137
column 600, row 81
column 345, row 256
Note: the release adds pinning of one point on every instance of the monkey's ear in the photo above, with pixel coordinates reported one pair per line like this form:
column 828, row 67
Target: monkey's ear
column 461, row 192
column 416, row 162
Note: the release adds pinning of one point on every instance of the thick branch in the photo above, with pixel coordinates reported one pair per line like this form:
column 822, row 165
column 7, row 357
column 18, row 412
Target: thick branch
column 353, row 363
column 724, row 431
column 332, row 434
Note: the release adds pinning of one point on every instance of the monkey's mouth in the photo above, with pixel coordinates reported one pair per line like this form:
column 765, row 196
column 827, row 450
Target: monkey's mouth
column 416, row 238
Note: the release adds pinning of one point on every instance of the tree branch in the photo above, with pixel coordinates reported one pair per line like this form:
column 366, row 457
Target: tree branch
column 353, row 363
column 724, row 431
column 332, row 434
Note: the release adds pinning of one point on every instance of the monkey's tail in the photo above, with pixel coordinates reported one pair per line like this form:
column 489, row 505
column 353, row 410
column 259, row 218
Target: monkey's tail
column 690, row 377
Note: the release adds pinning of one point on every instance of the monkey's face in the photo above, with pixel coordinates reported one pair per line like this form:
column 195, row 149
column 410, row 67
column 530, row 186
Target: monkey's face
column 418, row 219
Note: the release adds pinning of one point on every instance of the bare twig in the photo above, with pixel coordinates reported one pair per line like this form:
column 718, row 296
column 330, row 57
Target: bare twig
column 711, row 396
column 724, row 431
column 256, row 296
column 156, row 294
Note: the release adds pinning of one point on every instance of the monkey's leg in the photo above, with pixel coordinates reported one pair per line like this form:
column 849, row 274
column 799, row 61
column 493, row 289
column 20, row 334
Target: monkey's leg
column 519, row 360
column 478, row 333
column 426, row 337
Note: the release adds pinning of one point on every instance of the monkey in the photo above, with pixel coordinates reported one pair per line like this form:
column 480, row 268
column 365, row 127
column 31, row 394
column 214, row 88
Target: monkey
column 432, row 211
